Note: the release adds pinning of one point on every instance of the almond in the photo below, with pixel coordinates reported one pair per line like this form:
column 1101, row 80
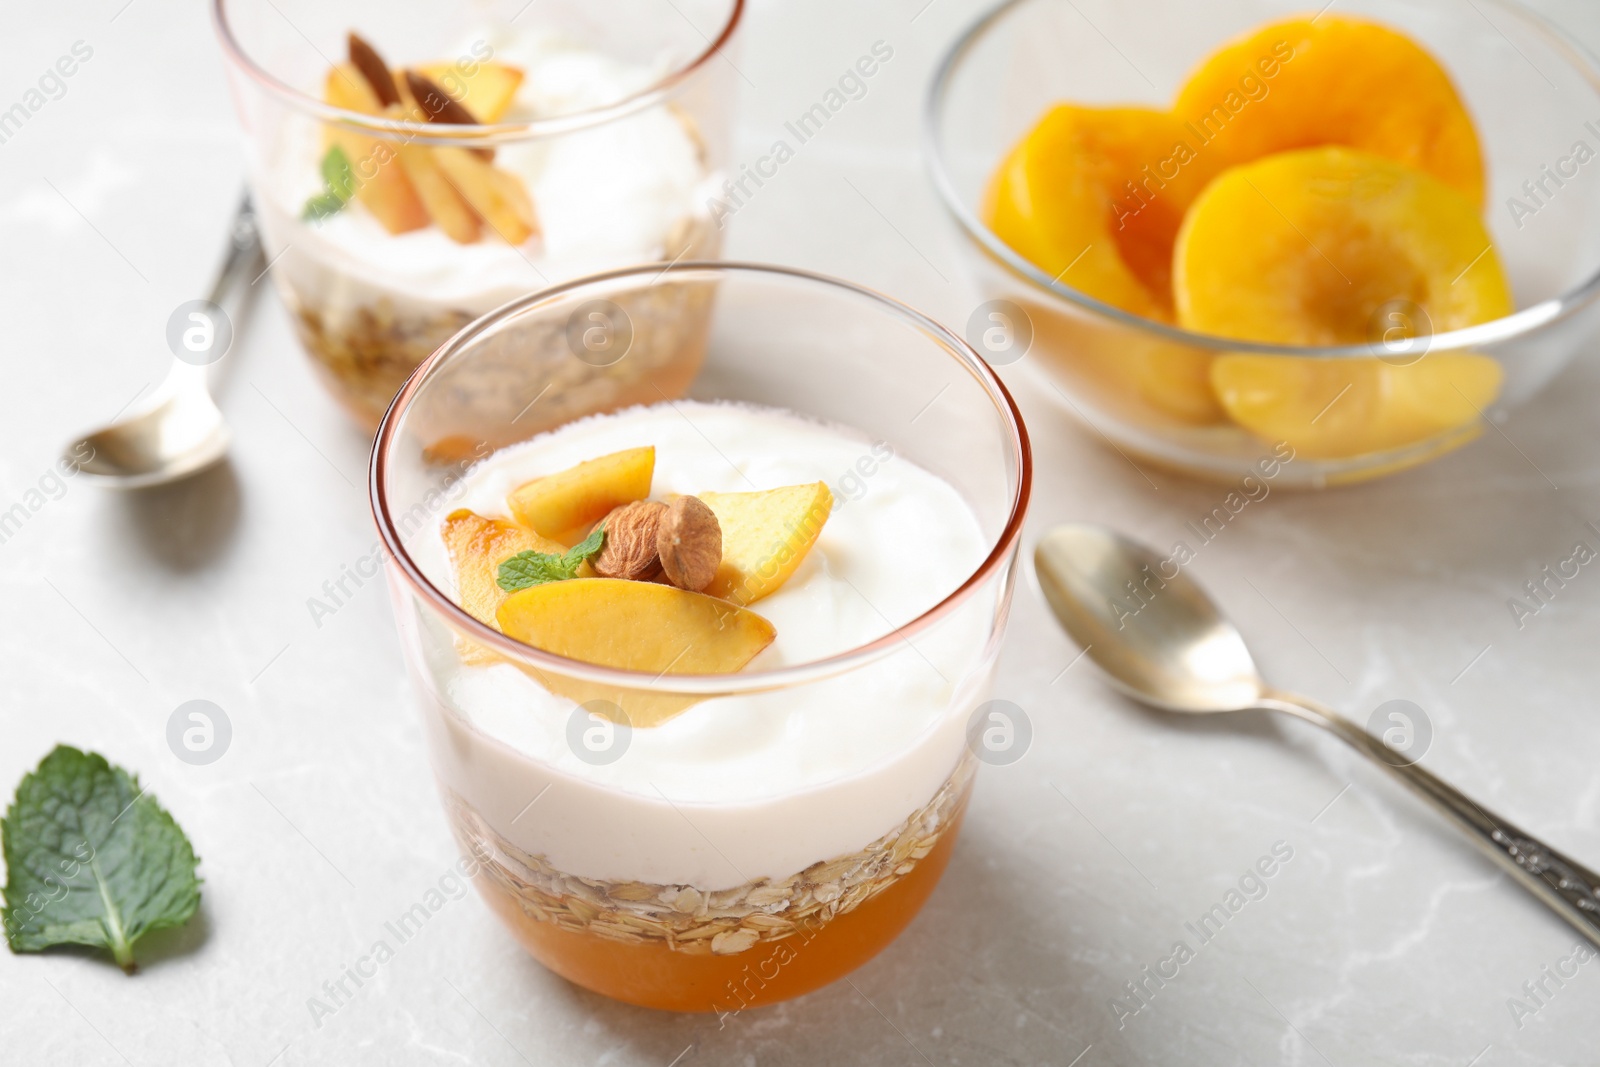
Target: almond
column 441, row 108
column 374, row 71
column 629, row 550
column 689, row 543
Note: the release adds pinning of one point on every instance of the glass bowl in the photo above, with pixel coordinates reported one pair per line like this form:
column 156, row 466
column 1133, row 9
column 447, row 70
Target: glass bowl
column 1533, row 94
column 617, row 130
column 710, row 890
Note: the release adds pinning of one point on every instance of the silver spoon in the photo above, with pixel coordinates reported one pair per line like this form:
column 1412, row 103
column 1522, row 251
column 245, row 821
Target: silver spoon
column 1169, row 646
column 179, row 431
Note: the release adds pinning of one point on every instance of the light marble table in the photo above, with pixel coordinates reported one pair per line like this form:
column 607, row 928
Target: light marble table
column 1383, row 939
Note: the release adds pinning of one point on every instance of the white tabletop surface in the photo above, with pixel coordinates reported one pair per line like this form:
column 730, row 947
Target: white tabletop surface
column 1384, row 940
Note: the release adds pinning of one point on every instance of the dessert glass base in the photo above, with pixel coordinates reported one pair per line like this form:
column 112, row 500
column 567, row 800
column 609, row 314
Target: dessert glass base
column 680, row 948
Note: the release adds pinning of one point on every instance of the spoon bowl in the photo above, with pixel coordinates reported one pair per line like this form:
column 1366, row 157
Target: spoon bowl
column 179, row 434
column 1144, row 622
column 180, row 431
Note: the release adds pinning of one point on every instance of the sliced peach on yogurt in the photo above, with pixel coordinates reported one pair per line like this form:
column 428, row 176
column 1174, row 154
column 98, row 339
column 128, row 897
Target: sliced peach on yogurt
column 765, row 537
column 477, row 545
column 635, row 626
column 563, row 506
column 497, row 197
column 485, row 89
column 382, row 186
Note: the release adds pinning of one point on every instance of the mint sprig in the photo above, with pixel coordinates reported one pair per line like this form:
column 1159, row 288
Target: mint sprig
column 92, row 859
column 339, row 181
column 535, row 568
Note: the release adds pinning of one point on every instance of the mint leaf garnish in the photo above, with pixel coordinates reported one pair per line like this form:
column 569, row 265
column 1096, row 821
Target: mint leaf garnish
column 536, row 568
column 336, row 172
column 340, row 181
column 91, row 859
column 321, row 206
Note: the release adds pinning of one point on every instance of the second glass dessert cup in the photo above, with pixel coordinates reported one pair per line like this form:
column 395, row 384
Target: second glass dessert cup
column 722, row 898
column 600, row 127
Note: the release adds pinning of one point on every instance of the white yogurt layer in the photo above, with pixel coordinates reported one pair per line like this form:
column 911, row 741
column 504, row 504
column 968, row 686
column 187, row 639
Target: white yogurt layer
column 752, row 785
column 614, row 194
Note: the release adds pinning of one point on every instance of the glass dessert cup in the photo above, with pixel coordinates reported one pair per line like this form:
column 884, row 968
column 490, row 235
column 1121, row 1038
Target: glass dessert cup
column 752, row 892
column 616, row 128
column 1531, row 92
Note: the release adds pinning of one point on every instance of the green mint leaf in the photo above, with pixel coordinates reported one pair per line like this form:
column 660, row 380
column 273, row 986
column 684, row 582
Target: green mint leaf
column 535, row 568
column 91, row 859
column 340, row 181
column 579, row 553
column 337, row 173
column 321, row 206
column 532, row 568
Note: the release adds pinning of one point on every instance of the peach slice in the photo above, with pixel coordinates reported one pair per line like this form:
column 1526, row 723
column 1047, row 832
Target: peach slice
column 477, row 546
column 639, row 626
column 450, row 211
column 563, row 506
column 382, row 186
column 498, row 198
column 486, row 90
column 1332, row 246
column 765, row 536
column 635, row 626
column 1334, row 80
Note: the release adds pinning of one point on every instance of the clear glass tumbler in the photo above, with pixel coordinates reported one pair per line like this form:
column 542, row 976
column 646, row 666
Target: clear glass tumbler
column 674, row 901
column 602, row 128
column 1534, row 97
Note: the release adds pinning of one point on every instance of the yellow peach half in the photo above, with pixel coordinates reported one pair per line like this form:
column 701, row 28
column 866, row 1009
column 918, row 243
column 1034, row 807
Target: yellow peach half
column 1312, row 247
column 1094, row 198
column 1334, row 409
column 1333, row 246
column 1334, row 79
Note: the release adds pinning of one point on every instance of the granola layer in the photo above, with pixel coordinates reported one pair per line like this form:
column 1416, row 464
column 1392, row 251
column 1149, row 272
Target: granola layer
column 365, row 341
column 722, row 922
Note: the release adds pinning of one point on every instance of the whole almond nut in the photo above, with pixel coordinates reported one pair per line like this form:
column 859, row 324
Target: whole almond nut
column 689, row 543
column 629, row 550
column 374, row 71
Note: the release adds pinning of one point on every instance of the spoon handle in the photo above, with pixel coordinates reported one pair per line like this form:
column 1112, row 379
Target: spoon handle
column 1569, row 888
column 242, row 265
column 243, row 262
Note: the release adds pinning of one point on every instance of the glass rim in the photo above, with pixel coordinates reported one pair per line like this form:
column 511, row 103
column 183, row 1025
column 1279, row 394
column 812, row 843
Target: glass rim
column 1003, row 548
column 482, row 133
column 1508, row 327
